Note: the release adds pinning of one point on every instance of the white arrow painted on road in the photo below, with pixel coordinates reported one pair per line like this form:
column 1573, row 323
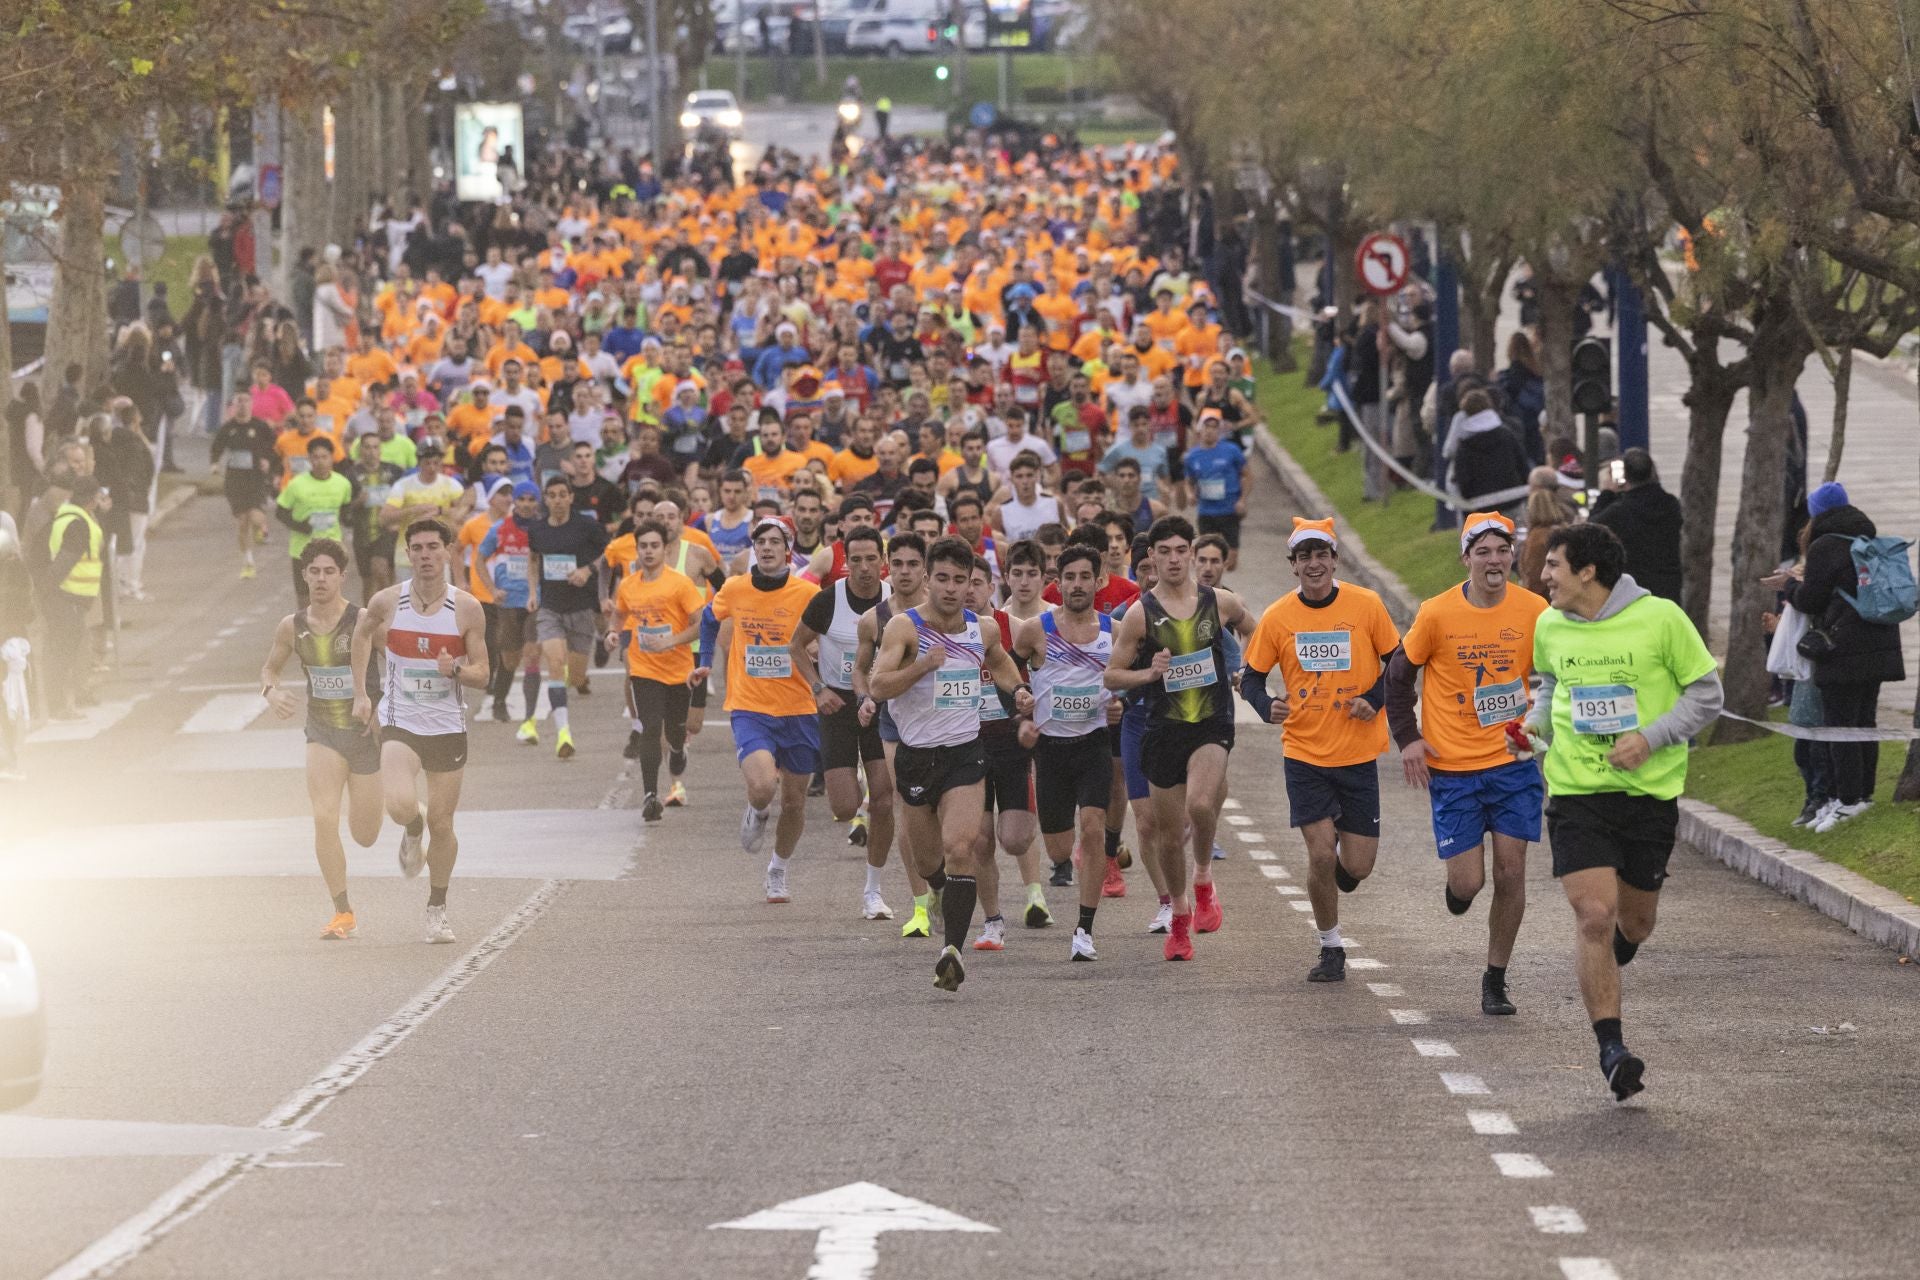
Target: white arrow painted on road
column 850, row 1220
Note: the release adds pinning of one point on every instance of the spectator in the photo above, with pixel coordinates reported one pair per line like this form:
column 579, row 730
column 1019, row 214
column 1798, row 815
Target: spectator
column 1647, row 519
column 331, row 313
column 1863, row 655
column 1525, row 390
column 1547, row 508
column 26, row 442
column 201, row 331
column 75, row 550
column 123, row 461
column 1486, row 456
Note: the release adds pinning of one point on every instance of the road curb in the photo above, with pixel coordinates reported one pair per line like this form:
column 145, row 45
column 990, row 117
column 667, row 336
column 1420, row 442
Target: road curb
column 170, row 502
column 1873, row 911
column 1299, row 486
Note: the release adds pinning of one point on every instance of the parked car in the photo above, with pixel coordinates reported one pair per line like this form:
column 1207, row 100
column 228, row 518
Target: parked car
column 894, row 35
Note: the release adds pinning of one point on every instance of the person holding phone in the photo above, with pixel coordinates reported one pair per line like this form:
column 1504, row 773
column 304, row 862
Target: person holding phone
column 1646, row 518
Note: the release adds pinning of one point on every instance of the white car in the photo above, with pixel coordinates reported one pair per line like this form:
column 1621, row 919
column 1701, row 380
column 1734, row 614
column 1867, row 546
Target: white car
column 712, row 111
column 894, row 35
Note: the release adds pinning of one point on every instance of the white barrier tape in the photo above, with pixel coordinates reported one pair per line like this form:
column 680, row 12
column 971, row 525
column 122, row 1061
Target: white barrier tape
column 1481, row 502
column 1827, row 734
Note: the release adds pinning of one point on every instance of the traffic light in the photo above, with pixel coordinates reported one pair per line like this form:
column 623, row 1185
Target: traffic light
column 940, row 72
column 1592, row 375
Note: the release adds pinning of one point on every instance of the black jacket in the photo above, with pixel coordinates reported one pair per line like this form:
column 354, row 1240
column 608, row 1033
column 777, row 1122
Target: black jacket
column 1647, row 519
column 1487, row 462
column 1864, row 652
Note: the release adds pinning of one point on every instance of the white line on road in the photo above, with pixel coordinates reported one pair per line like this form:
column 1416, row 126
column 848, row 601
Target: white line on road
column 1229, row 803
column 1288, row 890
column 1459, row 1082
column 1364, row 963
column 1558, row 1220
column 1386, row 990
column 1408, row 1017
column 1588, row 1269
column 1239, row 820
column 211, row 1180
column 1275, row 873
column 1492, row 1123
column 1434, row 1048
column 226, row 713
column 1261, row 855
column 1299, row 905
column 1518, row 1164
column 1250, row 837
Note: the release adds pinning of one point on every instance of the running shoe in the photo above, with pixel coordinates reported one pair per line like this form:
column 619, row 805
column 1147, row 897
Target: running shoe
column 1038, row 917
column 563, row 744
column 1219, row 854
column 1113, row 885
column 500, row 713
column 1062, row 875
column 677, row 794
column 1082, row 946
column 413, row 849
column 818, row 787
column 948, row 972
column 529, row 732
column 1332, row 966
column 1809, row 813
column 777, row 884
column 1162, row 919
column 1206, row 908
column 650, row 809
column 1838, row 813
column 1493, row 996
column 993, row 936
column 874, row 907
column 585, row 687
column 1180, row 939
column 1123, row 855
column 438, row 929
column 917, row 925
column 857, row 831
column 1343, row 879
column 632, row 749
column 1624, row 1072
column 246, row 571
column 341, row 926
column 753, row 830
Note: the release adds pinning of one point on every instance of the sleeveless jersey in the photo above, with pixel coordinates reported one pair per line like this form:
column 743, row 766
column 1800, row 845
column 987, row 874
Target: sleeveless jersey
column 842, row 639
column 1069, row 689
column 983, row 487
column 997, row 724
column 943, row 709
column 418, row 698
column 729, row 540
column 328, row 662
column 1194, row 690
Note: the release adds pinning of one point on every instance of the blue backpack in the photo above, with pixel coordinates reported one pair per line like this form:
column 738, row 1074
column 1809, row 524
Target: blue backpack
column 1887, row 592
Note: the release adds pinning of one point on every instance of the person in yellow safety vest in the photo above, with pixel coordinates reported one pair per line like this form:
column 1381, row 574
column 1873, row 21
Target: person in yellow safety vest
column 76, row 550
column 882, row 110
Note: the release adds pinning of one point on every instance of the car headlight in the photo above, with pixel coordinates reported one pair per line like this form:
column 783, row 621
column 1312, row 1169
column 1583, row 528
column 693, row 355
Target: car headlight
column 731, row 119
column 689, row 120
column 849, row 111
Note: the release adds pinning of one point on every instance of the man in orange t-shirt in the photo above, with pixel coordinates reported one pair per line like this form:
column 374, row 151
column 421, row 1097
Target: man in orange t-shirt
column 657, row 610
column 1475, row 644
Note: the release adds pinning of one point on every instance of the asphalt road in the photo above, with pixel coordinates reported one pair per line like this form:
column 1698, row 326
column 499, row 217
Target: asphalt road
column 629, row 1047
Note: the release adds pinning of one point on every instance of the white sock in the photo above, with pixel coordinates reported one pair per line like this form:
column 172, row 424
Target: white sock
column 248, row 555
column 1331, row 937
column 758, row 811
column 634, row 723
column 873, row 878
column 779, row 863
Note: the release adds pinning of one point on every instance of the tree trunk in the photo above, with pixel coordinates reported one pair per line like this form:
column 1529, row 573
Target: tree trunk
column 1343, row 245
column 1709, row 400
column 1557, row 301
column 419, row 144
column 303, row 205
column 6, row 396
column 1481, row 313
column 1779, row 350
column 1842, row 387
column 77, row 322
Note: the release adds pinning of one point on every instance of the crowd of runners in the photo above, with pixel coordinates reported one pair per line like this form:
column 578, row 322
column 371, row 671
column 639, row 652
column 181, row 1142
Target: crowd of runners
column 932, row 471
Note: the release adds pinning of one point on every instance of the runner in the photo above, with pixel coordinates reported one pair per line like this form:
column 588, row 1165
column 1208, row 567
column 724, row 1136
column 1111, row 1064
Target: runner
column 691, row 552
column 928, row 665
column 907, row 576
column 776, row 733
column 503, row 552
column 1005, row 742
column 311, row 506
column 660, row 608
column 249, row 447
column 1331, row 641
column 343, row 754
column 1616, row 758
column 564, row 597
column 850, row 746
column 1067, row 649
column 1133, row 769
column 1475, row 643
column 434, row 639
column 1222, row 480
column 1210, row 553
column 1019, row 510
column 728, row 527
column 1177, row 628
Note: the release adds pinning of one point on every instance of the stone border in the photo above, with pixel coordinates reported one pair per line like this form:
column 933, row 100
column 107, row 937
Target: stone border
column 1876, row 913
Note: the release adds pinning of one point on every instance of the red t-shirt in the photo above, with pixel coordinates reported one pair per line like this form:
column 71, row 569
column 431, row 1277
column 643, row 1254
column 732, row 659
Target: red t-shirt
column 1114, row 594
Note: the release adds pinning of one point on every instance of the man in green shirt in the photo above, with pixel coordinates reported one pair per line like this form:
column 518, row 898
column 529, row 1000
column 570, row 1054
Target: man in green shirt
column 1625, row 682
column 314, row 502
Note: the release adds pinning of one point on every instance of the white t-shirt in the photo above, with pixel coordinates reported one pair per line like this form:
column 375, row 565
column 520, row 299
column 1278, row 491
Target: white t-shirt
column 495, row 275
column 1123, row 398
column 525, row 397
column 586, row 426
column 1002, row 452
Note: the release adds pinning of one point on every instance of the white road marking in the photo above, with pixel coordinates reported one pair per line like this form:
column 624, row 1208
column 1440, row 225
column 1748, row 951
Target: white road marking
column 224, row 632
column 1250, row 837
column 1275, row 873
column 95, row 721
column 1386, row 990
column 211, row 1180
column 1364, row 963
column 1408, row 1017
column 302, row 1164
column 226, row 713
column 1261, row 855
column 1588, row 1269
column 1434, row 1048
column 1288, row 890
column 850, row 1221
column 1518, row 1164
column 45, row 1138
column 1492, row 1123
column 1239, row 820
column 1558, row 1220
column 1229, row 803
column 1459, row 1082
column 1299, row 905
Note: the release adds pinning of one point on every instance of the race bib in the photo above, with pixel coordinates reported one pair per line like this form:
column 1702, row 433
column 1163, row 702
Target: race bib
column 377, row 494
column 513, row 568
column 299, row 464
column 556, row 568
column 769, row 661
column 425, row 684
column 1076, row 441
column 1078, row 703
column 1324, row 650
column 241, row 461
column 1213, row 489
column 956, row 689
column 769, row 493
column 1190, row 671
column 416, row 416
column 1499, row 703
column 334, row 684
column 843, row 678
column 323, row 521
column 1604, row 708
column 1025, row 393
column 991, row 708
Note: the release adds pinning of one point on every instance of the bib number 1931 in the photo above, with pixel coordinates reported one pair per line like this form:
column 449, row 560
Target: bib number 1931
column 1604, row 708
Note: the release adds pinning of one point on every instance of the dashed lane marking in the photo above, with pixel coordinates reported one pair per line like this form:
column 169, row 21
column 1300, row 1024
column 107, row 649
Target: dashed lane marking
column 1588, row 1269
column 1557, row 1220
column 1300, row 905
column 1239, row 820
column 1463, row 1084
column 1408, row 1017
column 1288, row 890
column 1364, row 963
column 1492, row 1124
column 1261, row 855
column 1435, row 1048
column 1250, row 837
column 1518, row 1164
column 1275, row 873
column 1386, row 990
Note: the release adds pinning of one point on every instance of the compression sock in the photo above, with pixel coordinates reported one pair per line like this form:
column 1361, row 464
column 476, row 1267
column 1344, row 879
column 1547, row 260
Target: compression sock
column 956, row 905
column 437, row 895
column 938, row 880
column 1607, row 1032
column 1331, row 937
column 340, row 902
column 1458, row 906
column 530, row 686
column 1342, row 877
column 1086, row 918
column 1113, row 843
column 649, row 761
column 677, row 761
column 1623, row 951
column 557, row 699
column 415, row 827
column 873, row 878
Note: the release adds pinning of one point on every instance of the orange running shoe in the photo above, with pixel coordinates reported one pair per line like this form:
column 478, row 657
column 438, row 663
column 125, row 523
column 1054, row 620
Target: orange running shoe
column 340, row 927
column 1206, row 908
column 1115, row 885
column 1180, row 941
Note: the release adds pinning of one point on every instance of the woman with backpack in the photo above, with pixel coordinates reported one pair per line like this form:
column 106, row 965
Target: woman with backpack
column 1852, row 656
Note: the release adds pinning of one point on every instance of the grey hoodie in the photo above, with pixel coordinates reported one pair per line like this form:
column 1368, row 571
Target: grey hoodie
column 1698, row 706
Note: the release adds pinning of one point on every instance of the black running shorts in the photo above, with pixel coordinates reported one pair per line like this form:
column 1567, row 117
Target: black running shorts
column 1170, row 744
column 1632, row 834
column 844, row 741
column 923, row 774
column 1009, row 774
column 1071, row 774
column 437, row 752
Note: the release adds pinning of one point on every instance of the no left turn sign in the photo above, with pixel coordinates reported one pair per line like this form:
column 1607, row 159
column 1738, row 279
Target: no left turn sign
column 1382, row 263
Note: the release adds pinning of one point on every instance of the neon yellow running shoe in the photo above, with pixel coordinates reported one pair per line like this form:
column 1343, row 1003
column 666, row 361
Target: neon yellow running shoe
column 917, row 925
column 563, row 745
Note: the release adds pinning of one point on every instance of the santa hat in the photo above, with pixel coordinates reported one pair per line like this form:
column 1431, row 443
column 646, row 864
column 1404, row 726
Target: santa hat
column 1479, row 522
column 1305, row 530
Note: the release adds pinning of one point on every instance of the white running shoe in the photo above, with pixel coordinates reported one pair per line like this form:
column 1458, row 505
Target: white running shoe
column 413, row 849
column 1162, row 919
column 438, row 930
column 753, row 830
column 777, row 884
column 993, row 936
column 1836, row 813
column 874, row 907
column 1083, row 946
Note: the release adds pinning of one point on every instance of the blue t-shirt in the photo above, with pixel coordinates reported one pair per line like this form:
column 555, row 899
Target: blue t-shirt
column 1215, row 475
column 1151, row 456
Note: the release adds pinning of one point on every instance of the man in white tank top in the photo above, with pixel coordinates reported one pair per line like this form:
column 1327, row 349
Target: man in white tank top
column 928, row 669
column 433, row 639
column 1020, row 509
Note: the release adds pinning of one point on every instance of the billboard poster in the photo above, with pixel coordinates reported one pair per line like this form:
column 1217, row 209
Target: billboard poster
column 1009, row 24
column 484, row 134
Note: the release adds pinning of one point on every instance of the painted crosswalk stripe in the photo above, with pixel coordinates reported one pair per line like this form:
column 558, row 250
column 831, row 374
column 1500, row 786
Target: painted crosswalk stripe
column 1386, row 990
column 1408, row 1017
column 1239, row 820
column 1288, row 890
column 1299, row 905
column 1261, row 855
column 1250, row 837
column 226, row 713
column 1518, row 1164
column 1587, row 1269
column 1557, row 1220
column 1275, row 873
column 1492, row 1123
column 1364, row 963
column 1435, row 1049
column 1459, row 1082
column 94, row 722
column 1230, row 803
